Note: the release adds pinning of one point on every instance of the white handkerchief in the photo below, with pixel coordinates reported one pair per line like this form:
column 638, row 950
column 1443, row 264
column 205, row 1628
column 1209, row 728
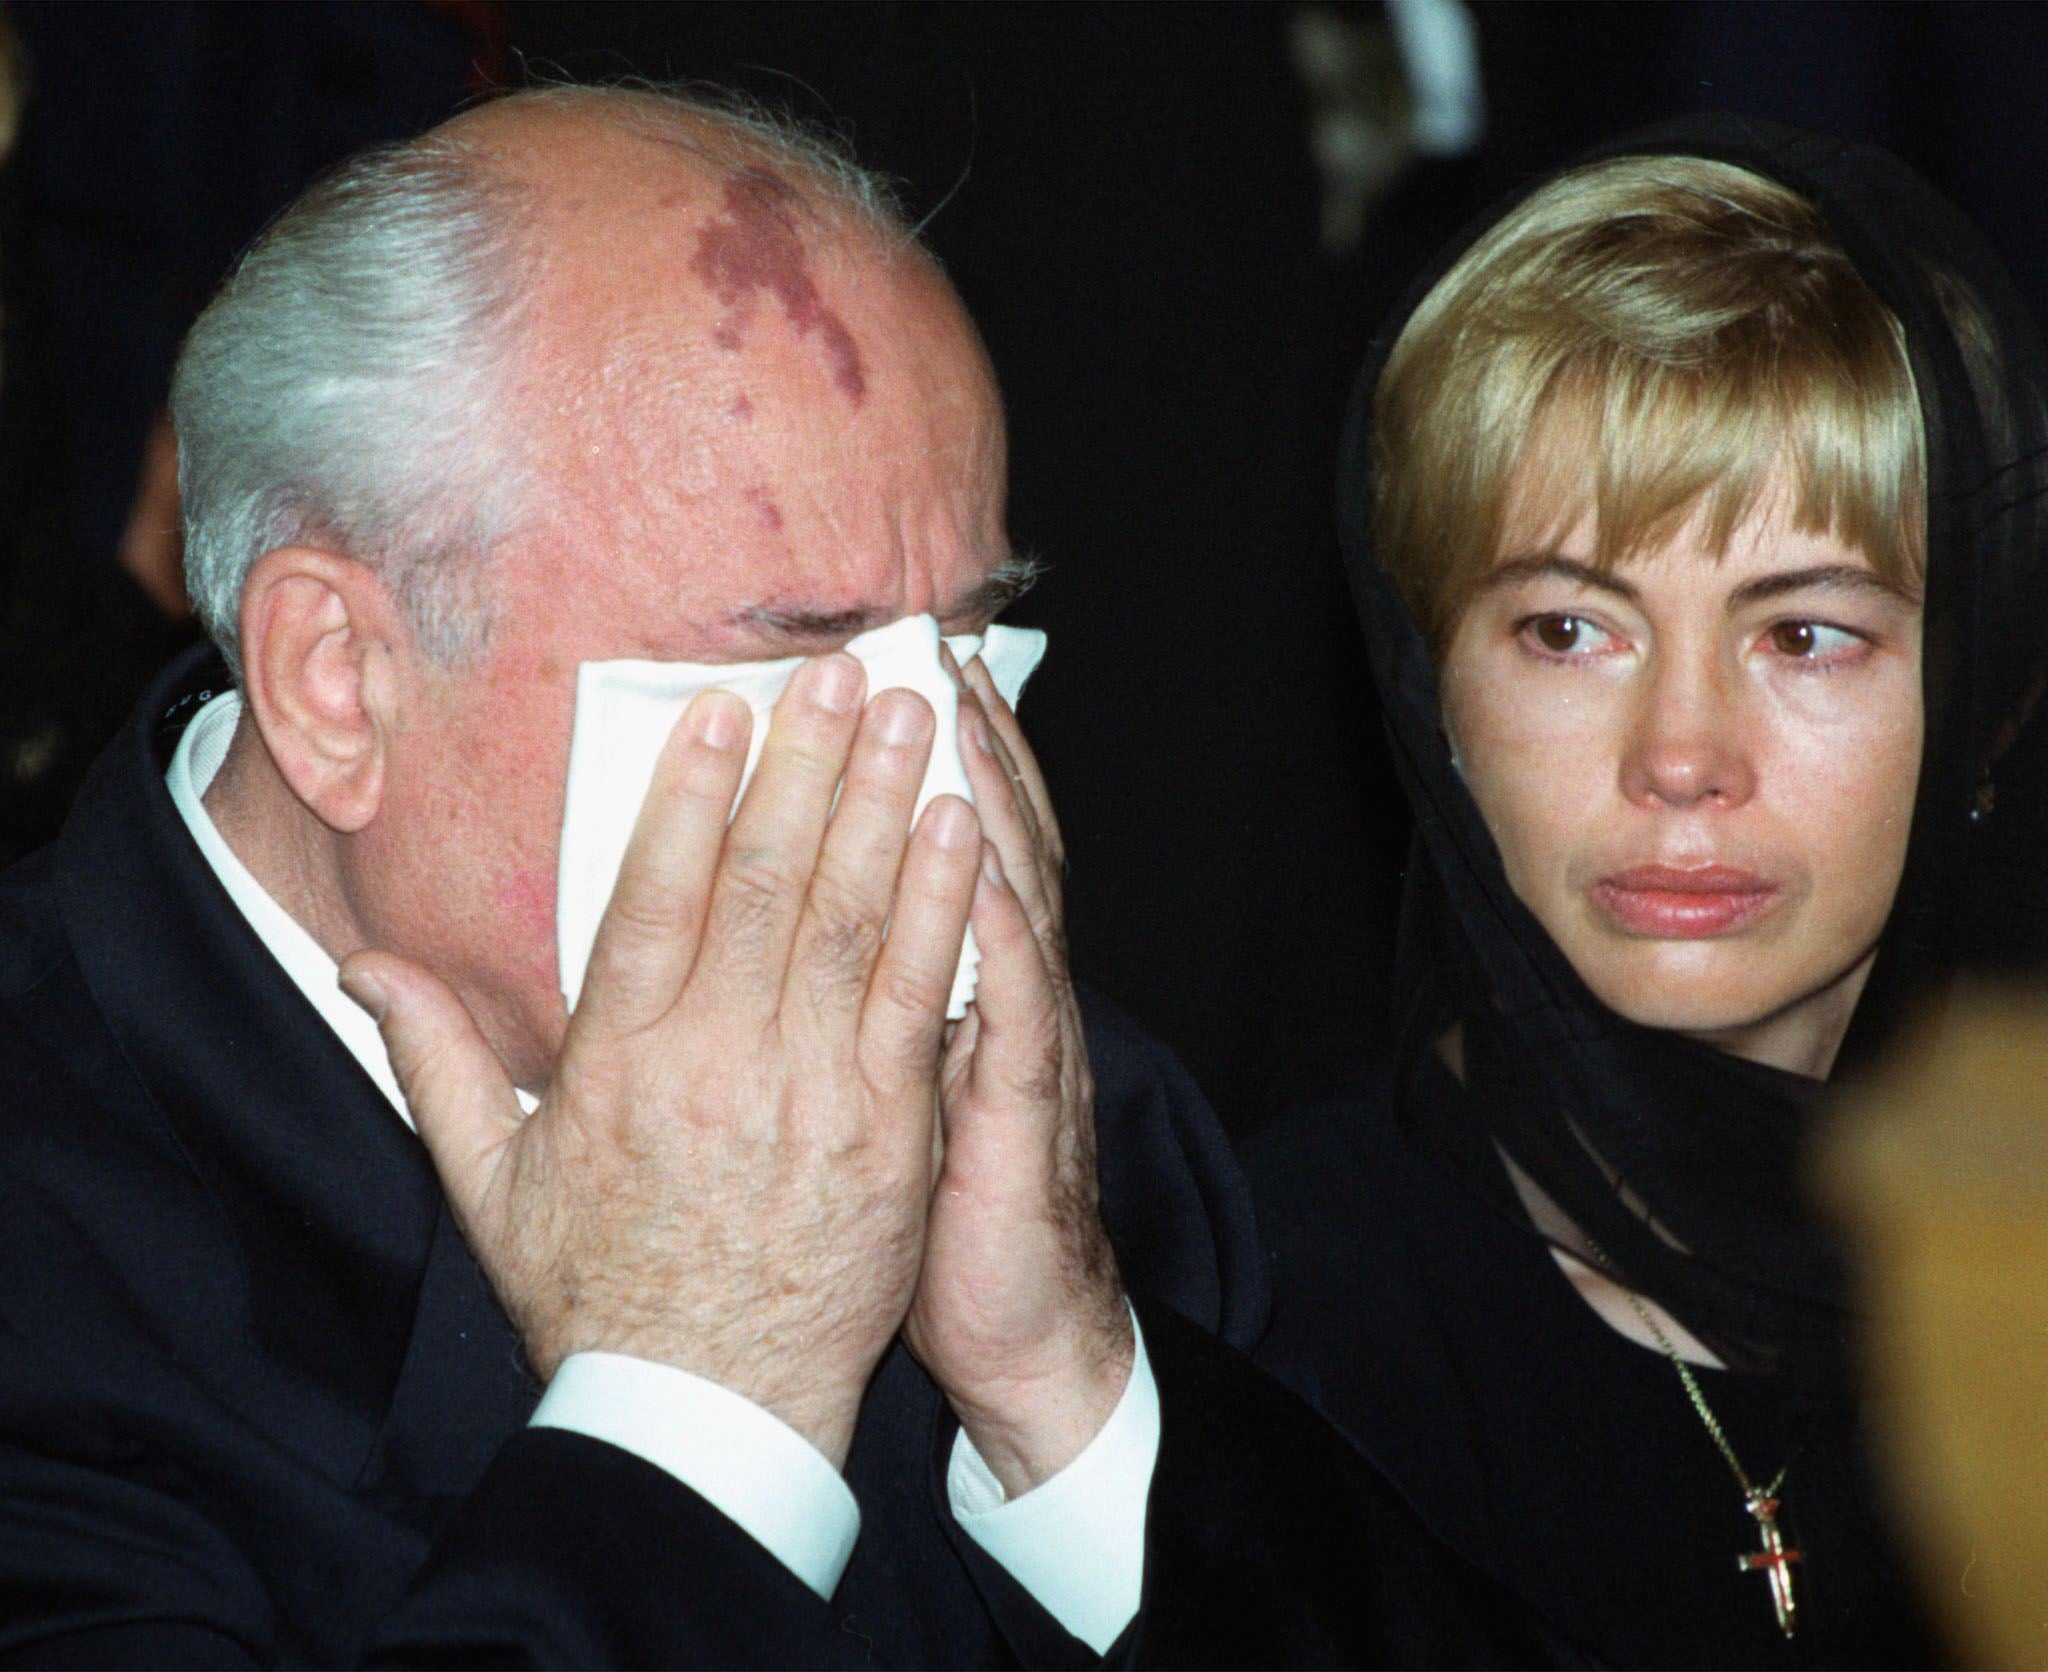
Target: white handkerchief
column 626, row 710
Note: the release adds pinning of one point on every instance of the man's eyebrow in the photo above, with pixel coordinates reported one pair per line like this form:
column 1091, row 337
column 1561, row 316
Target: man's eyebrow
column 1538, row 564
column 791, row 623
column 1003, row 586
column 1826, row 577
column 1008, row 581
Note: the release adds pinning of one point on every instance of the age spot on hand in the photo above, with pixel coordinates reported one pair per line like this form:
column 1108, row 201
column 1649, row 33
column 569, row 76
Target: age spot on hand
column 753, row 250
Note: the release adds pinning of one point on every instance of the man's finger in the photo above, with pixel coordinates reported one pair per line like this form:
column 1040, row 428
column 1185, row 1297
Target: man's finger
column 648, row 938
column 1018, row 1048
column 847, row 909
column 1015, row 750
column 772, row 848
column 461, row 1101
column 904, row 1018
column 1007, row 820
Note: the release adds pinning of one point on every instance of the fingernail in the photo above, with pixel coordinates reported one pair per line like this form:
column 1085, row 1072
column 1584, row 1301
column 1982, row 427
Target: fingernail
column 992, row 865
column 952, row 822
column 836, row 685
column 982, row 741
column 715, row 717
column 899, row 718
column 367, row 991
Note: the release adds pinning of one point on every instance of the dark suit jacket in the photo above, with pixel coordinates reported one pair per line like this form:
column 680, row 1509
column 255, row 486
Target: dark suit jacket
column 258, row 1405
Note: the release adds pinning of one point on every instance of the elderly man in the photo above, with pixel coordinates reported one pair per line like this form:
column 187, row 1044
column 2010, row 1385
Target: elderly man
column 837, row 1359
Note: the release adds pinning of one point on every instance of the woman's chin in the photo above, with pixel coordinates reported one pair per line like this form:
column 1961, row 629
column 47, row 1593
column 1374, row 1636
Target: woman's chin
column 1795, row 1022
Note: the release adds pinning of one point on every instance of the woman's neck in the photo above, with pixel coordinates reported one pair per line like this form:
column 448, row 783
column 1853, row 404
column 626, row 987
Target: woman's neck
column 1805, row 1036
column 1629, row 1314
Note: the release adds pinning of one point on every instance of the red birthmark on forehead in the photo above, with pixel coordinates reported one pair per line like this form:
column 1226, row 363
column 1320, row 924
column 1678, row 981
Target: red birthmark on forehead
column 754, row 249
column 765, row 507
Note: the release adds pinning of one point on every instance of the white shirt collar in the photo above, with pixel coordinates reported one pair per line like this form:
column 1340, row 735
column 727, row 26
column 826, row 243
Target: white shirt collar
column 193, row 767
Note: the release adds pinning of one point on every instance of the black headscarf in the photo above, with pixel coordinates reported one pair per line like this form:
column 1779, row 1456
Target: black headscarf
column 1610, row 1118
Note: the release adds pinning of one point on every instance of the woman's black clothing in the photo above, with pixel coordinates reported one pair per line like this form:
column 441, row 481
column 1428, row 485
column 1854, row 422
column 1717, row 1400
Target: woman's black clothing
column 1605, row 1116
column 1560, row 1457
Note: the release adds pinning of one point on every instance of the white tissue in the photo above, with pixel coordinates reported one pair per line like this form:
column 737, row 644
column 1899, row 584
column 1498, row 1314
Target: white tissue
column 626, row 710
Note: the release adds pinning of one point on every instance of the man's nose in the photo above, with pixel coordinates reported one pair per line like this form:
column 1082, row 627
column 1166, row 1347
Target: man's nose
column 1689, row 740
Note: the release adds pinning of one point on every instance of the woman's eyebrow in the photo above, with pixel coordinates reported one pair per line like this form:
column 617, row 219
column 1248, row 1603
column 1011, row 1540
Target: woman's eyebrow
column 1563, row 568
column 1826, row 577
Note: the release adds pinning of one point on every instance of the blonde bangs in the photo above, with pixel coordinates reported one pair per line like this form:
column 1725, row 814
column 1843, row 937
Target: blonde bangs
column 1642, row 341
column 1638, row 449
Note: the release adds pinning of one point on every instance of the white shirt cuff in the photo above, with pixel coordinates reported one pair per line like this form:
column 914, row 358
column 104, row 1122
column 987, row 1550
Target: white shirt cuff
column 751, row 1467
column 1077, row 1541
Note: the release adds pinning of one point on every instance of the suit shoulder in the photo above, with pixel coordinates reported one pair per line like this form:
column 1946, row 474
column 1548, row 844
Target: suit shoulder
column 32, row 941
column 1334, row 1188
column 1174, row 1198
column 1323, row 1150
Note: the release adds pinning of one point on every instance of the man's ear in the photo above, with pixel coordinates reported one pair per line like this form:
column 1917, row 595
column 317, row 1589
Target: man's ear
column 323, row 650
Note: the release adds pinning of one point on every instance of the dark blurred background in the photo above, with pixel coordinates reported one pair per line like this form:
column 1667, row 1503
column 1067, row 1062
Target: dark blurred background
column 1177, row 226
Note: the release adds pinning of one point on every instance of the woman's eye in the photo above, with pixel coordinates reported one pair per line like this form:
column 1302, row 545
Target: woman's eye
column 1563, row 635
column 1813, row 641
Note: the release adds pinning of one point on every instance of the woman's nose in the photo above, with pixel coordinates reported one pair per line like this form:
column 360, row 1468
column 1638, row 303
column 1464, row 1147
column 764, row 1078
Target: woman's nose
column 1689, row 741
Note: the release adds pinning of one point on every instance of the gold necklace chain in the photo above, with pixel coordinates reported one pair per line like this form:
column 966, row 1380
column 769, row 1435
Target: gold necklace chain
column 1699, row 1399
column 1775, row 1558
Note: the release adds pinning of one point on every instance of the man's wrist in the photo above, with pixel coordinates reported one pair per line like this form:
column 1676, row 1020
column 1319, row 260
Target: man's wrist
column 764, row 1476
column 1077, row 1542
column 1029, row 1428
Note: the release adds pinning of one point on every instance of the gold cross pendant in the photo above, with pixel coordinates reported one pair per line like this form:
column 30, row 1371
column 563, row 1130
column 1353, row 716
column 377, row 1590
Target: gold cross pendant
column 1774, row 1561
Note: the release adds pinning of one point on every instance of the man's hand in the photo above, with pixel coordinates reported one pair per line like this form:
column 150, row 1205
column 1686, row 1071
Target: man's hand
column 731, row 1167
column 1019, row 1315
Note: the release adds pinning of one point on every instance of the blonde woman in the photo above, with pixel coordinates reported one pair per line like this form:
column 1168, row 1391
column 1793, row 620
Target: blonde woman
column 1694, row 509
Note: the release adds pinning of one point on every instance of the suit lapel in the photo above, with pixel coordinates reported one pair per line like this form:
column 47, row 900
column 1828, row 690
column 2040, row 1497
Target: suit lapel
column 462, row 1390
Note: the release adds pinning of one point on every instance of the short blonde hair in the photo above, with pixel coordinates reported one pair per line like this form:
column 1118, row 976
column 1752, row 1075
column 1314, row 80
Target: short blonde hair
column 1640, row 339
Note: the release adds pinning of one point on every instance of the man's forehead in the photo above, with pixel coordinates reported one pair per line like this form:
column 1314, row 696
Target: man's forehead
column 790, row 618
column 664, row 224
column 706, row 578
column 743, row 376
column 763, row 429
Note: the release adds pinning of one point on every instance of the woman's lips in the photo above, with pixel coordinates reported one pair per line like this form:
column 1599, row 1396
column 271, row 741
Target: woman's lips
column 1693, row 902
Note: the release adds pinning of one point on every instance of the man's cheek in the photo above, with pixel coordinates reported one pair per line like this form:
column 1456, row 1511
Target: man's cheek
column 525, row 901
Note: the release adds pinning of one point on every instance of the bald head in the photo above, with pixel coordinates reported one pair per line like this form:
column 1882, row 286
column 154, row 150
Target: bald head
column 393, row 367
column 723, row 343
column 613, row 181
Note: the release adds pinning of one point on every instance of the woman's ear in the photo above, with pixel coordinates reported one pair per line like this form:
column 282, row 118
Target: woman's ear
column 323, row 646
